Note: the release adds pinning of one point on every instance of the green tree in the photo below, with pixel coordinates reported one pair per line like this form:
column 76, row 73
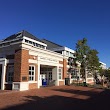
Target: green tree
column 93, row 61
column 102, row 71
column 82, row 50
column 107, row 73
column 87, row 57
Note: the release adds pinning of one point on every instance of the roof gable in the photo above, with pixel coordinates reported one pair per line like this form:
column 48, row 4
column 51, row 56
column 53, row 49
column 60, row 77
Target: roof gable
column 21, row 34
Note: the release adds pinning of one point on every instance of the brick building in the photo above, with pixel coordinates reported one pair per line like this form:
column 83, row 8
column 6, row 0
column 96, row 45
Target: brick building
column 25, row 61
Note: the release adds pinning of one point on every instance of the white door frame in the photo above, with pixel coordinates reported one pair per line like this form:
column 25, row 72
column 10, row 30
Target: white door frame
column 3, row 62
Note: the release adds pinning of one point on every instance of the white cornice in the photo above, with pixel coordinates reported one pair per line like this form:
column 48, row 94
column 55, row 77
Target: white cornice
column 24, row 37
column 40, row 50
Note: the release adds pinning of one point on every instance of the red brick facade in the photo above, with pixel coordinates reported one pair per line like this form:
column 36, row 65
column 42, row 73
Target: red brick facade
column 21, row 68
column 61, row 83
column 21, row 65
column 33, row 85
column 33, row 57
column 64, row 68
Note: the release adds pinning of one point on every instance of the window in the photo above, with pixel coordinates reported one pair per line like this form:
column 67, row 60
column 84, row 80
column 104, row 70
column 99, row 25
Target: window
column 71, row 54
column 67, row 53
column 38, row 45
column 31, row 73
column 30, row 42
column 26, row 41
column 34, row 44
column 10, row 72
column 74, row 74
column 50, row 75
column 59, row 52
column 60, row 73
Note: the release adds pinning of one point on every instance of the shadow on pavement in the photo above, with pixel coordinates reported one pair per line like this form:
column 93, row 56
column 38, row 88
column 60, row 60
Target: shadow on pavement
column 95, row 102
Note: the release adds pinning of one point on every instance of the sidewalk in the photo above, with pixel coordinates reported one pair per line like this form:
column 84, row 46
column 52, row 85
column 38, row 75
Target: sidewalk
column 53, row 98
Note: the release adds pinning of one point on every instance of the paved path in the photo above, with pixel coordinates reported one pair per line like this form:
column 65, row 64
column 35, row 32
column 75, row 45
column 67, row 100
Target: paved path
column 55, row 98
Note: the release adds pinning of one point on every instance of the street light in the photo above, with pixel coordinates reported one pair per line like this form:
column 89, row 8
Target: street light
column 85, row 69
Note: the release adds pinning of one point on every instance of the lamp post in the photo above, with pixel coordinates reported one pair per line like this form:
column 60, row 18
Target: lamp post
column 85, row 69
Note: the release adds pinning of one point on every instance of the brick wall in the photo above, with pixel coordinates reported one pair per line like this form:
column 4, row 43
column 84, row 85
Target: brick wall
column 8, row 86
column 33, row 57
column 33, row 86
column 36, row 72
column 64, row 68
column 61, row 83
column 21, row 65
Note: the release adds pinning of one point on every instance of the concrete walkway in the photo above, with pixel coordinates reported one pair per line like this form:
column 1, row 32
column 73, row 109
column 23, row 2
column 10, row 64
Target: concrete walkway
column 55, row 98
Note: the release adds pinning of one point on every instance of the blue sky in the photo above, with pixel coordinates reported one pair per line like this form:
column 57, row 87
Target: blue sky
column 61, row 21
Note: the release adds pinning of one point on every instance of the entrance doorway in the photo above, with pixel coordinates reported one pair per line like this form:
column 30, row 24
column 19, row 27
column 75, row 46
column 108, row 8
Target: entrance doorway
column 0, row 75
column 46, row 77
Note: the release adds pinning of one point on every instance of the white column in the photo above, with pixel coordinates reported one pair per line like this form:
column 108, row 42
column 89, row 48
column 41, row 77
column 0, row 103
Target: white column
column 3, row 77
column 38, row 82
column 57, row 70
column 69, row 54
column 55, row 75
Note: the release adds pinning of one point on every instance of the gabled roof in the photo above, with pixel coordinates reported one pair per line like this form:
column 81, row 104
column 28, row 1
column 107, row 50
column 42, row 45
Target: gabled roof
column 21, row 34
column 51, row 44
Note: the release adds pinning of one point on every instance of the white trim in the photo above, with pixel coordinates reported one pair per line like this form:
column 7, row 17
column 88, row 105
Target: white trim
column 102, row 63
column 3, row 61
column 61, row 80
column 38, row 75
column 30, row 82
column 60, row 65
column 24, row 37
column 63, row 49
column 22, row 86
column 36, row 50
column 57, row 81
column 32, row 61
column 69, row 50
column 3, row 77
column 45, row 63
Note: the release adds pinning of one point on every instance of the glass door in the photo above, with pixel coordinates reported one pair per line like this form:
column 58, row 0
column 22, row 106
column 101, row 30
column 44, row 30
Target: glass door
column 49, row 76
